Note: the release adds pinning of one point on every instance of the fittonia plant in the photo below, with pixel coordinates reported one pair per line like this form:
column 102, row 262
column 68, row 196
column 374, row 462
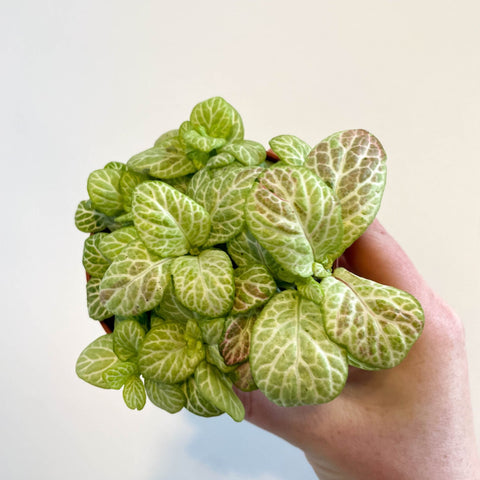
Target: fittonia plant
column 216, row 265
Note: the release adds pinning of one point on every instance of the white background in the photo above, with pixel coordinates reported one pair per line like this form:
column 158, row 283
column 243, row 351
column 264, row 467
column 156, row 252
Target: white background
column 85, row 83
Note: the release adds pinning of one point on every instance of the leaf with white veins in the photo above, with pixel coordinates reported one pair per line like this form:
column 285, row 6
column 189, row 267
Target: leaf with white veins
column 253, row 287
column 134, row 393
column 216, row 387
column 168, row 355
column 295, row 216
column 375, row 323
column 169, row 222
column 135, row 281
column 204, row 283
column 167, row 397
column 292, row 359
column 289, row 148
column 353, row 163
column 95, row 359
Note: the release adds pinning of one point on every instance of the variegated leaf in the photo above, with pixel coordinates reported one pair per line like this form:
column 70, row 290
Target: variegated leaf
column 213, row 116
column 220, row 160
column 165, row 137
column 289, row 148
column 353, row 163
column 111, row 245
column 253, row 287
column 216, row 387
column 104, row 191
column 198, row 141
column 247, row 152
column 296, row 217
column 235, row 347
column 96, row 310
column 95, row 359
column 116, row 376
column 196, row 403
column 94, row 262
column 168, row 355
column 88, row 220
column 135, row 281
column 311, row 289
column 179, row 183
column 224, row 199
column 128, row 182
column 204, row 283
column 214, row 357
column 167, row 397
column 245, row 250
column 168, row 160
column 169, row 222
column 212, row 330
column 242, row 378
column 292, row 359
column 134, row 393
column 127, row 339
column 375, row 323
column 116, row 166
column 171, row 309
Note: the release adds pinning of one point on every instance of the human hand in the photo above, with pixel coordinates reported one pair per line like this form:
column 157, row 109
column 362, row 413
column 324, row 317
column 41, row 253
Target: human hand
column 410, row 422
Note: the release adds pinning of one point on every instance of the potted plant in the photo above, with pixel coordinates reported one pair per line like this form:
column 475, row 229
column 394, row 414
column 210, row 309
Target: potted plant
column 213, row 264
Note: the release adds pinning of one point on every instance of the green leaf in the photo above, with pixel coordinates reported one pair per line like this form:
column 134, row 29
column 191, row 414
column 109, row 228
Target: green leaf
column 253, row 287
column 127, row 338
column 135, row 281
column 116, row 376
column 167, row 397
column 179, row 183
column 311, row 289
column 93, row 260
column 194, row 139
column 95, row 359
column 88, row 220
column 165, row 137
column 220, row 160
column 353, row 163
column 170, row 308
column 134, row 393
column 289, row 148
column 235, row 347
column 212, row 330
column 295, row 216
column 96, row 310
column 213, row 116
column 242, row 378
column 205, row 283
column 111, row 245
column 116, row 166
column 169, row 222
column 245, row 250
column 168, row 355
column 104, row 190
column 223, row 197
column 216, row 387
column 128, row 182
column 247, row 152
column 214, row 357
column 292, row 359
column 168, row 160
column 375, row 323
column 196, row 403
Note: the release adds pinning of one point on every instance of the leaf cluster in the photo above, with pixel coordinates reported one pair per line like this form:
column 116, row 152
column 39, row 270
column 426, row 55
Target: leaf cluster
column 217, row 266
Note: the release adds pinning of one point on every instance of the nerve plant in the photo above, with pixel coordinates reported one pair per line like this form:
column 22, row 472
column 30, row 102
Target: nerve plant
column 216, row 265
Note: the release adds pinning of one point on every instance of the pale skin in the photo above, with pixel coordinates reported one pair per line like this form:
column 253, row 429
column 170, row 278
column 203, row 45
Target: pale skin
column 412, row 422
